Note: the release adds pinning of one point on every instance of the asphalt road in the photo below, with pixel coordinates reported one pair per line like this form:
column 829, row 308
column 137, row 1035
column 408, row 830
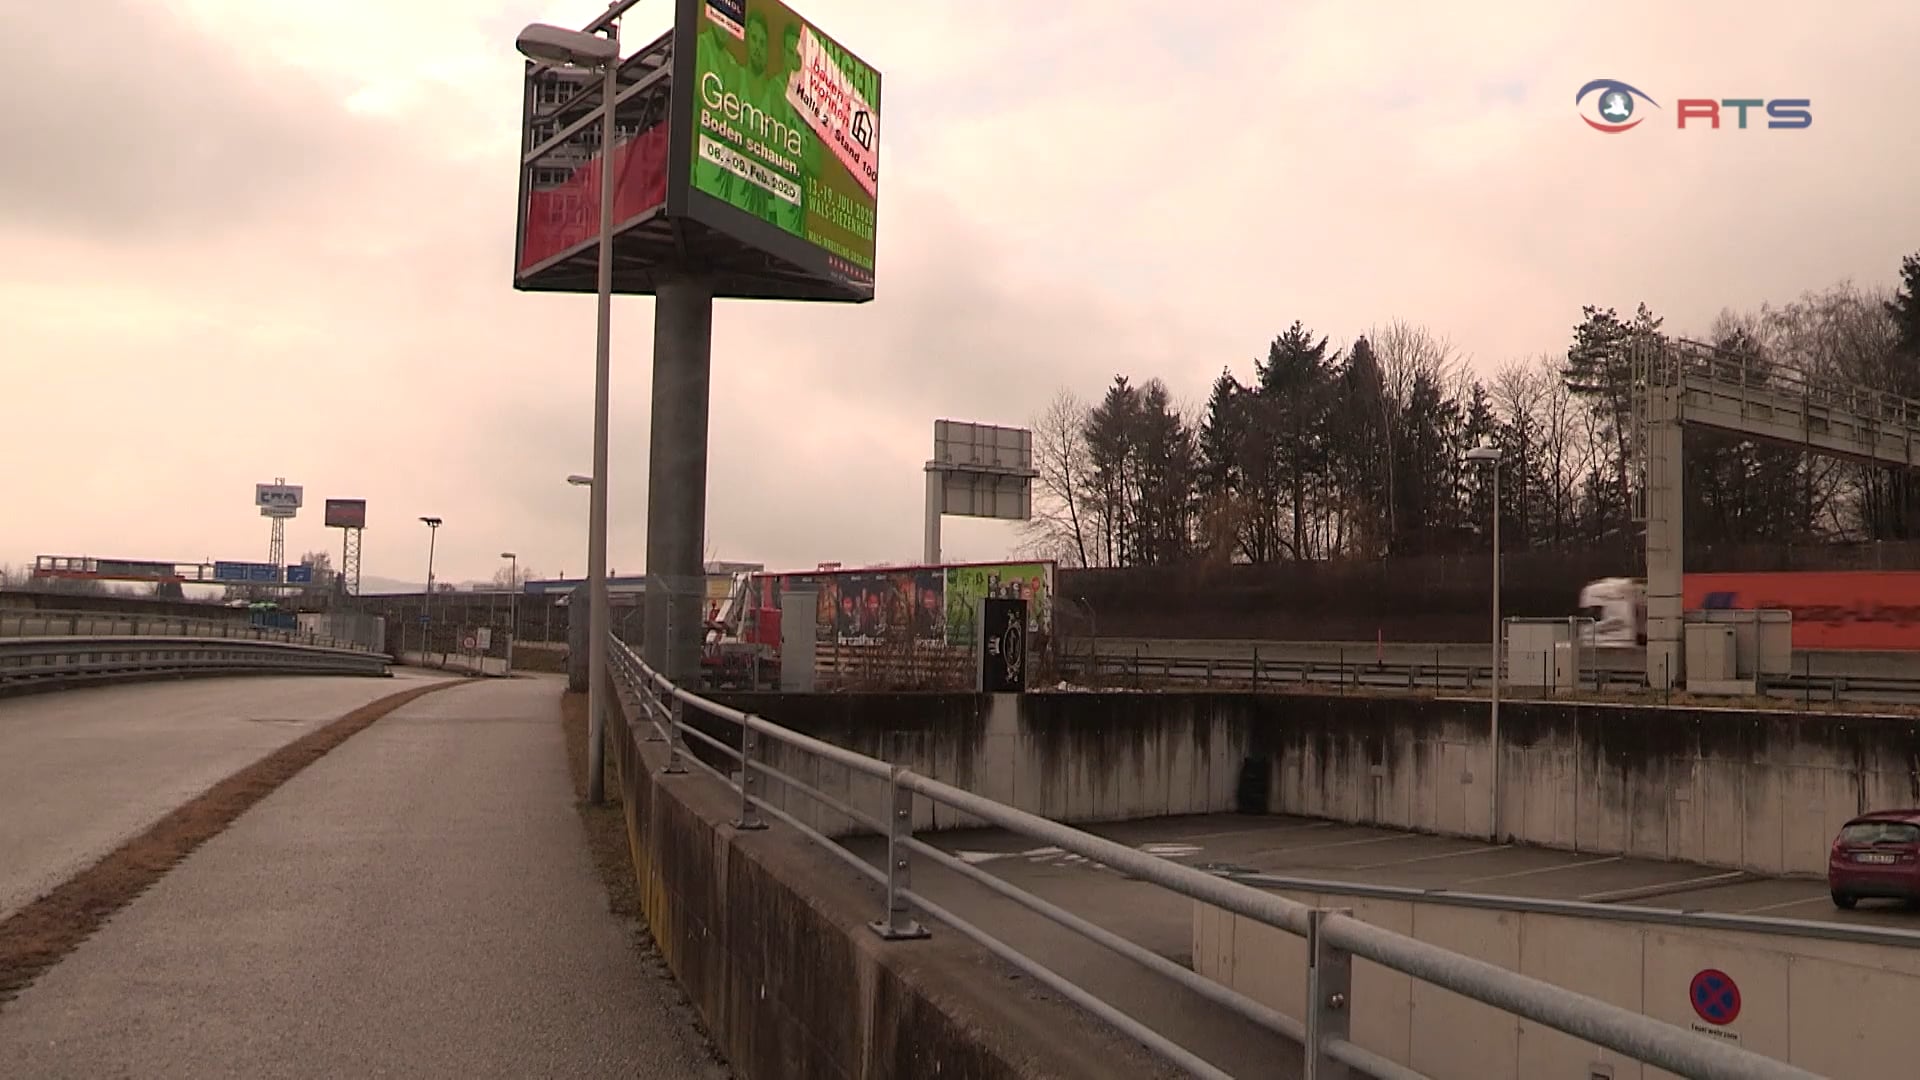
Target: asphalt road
column 419, row 903
column 82, row 771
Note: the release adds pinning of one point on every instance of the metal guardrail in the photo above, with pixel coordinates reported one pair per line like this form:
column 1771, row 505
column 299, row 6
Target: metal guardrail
column 38, row 623
column 1277, row 668
column 1333, row 937
column 64, row 661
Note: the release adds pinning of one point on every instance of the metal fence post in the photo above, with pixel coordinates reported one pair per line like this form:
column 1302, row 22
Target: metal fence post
column 650, row 703
column 749, row 819
column 1329, row 999
column 898, row 922
column 673, row 766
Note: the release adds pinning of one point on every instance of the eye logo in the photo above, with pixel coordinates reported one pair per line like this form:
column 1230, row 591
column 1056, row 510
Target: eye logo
column 1614, row 105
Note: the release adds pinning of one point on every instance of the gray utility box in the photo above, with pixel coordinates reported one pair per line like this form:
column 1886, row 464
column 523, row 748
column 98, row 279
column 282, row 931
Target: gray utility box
column 1738, row 650
column 1546, row 654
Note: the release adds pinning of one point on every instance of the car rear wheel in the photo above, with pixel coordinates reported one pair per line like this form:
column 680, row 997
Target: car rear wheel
column 1843, row 900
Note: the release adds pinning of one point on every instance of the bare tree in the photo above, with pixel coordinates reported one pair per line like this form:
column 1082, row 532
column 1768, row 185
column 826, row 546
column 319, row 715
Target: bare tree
column 1060, row 528
column 508, row 577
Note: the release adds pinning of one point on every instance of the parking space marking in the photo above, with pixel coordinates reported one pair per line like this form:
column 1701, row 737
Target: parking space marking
column 1257, row 831
column 1430, row 858
column 1337, row 843
column 1540, row 870
column 1662, row 888
column 1786, row 904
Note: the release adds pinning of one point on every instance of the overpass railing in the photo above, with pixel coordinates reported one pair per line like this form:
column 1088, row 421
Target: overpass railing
column 36, row 623
column 1333, row 938
column 67, row 660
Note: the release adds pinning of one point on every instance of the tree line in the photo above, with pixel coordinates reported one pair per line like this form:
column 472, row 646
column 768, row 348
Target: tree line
column 1324, row 451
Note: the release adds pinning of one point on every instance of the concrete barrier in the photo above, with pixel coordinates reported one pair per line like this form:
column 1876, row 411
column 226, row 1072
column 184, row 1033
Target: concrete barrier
column 1837, row 1008
column 1122, row 759
column 767, row 933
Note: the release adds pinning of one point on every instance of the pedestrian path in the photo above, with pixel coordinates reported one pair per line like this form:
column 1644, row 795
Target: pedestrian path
column 420, row 903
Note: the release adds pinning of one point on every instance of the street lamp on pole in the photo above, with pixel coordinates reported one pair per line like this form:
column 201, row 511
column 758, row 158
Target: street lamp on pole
column 426, row 607
column 1490, row 456
column 513, row 604
column 579, row 49
column 597, row 631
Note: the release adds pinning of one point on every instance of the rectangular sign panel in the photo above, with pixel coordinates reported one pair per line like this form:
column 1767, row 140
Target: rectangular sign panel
column 934, row 605
column 245, row 571
column 784, row 135
column 299, row 574
column 277, row 500
column 346, row 513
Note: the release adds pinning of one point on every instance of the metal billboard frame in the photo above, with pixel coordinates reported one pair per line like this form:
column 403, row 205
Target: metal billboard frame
column 688, row 231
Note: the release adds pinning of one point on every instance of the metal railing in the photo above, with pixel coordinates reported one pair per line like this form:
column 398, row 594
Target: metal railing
column 63, row 661
column 37, row 623
column 1333, row 938
column 1278, row 669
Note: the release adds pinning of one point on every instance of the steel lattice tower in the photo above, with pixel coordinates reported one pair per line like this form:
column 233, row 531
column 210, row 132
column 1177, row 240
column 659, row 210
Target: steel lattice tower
column 277, row 546
column 350, row 561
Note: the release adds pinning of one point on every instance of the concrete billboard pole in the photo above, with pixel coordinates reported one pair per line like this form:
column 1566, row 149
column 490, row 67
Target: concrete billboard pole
column 692, row 206
column 677, row 475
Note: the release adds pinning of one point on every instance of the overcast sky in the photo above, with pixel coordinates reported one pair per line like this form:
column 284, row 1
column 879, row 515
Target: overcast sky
column 245, row 239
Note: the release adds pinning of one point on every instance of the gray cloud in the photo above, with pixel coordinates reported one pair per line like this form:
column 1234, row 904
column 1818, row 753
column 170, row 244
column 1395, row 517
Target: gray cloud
column 129, row 122
column 1104, row 188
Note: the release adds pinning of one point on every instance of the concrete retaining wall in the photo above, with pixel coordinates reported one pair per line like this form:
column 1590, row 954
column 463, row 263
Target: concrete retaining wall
column 1763, row 791
column 1836, row 1008
column 1117, row 758
column 768, row 935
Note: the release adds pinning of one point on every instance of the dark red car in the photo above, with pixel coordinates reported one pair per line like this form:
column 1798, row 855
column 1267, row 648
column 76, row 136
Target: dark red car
column 1876, row 854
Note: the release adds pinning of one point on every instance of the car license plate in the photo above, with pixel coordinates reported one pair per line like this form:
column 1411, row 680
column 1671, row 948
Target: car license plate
column 1873, row 857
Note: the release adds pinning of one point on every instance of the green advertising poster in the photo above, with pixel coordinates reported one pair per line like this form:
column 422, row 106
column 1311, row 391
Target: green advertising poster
column 787, row 126
column 968, row 585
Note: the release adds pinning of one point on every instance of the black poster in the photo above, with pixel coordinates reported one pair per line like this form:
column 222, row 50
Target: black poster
column 1003, row 646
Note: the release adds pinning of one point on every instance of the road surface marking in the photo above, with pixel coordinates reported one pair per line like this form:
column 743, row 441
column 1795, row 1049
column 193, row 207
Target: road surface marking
column 1540, row 870
column 1259, row 830
column 1663, row 888
column 1430, row 858
column 1335, row 844
column 1821, row 897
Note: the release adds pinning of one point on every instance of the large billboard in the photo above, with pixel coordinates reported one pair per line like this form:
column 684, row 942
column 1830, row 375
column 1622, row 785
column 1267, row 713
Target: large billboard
column 346, row 513
column 783, row 139
column 927, row 605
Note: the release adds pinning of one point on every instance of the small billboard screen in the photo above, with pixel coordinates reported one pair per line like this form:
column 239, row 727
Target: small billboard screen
column 346, row 513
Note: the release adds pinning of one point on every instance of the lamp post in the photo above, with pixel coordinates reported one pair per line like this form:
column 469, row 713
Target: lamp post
column 1490, row 455
column 576, row 48
column 513, row 604
column 597, row 629
column 426, row 607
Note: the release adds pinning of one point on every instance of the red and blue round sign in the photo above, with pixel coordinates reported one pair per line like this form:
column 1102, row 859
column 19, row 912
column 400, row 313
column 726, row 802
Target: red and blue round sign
column 1715, row 997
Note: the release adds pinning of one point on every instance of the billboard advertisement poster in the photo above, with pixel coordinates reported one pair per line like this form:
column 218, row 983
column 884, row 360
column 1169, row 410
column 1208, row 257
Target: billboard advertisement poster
column 786, row 129
column 928, row 605
column 967, row 586
column 346, row 513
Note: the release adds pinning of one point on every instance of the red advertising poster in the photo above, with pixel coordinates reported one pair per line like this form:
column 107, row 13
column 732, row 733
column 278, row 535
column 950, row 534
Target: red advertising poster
column 1836, row 610
column 569, row 213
